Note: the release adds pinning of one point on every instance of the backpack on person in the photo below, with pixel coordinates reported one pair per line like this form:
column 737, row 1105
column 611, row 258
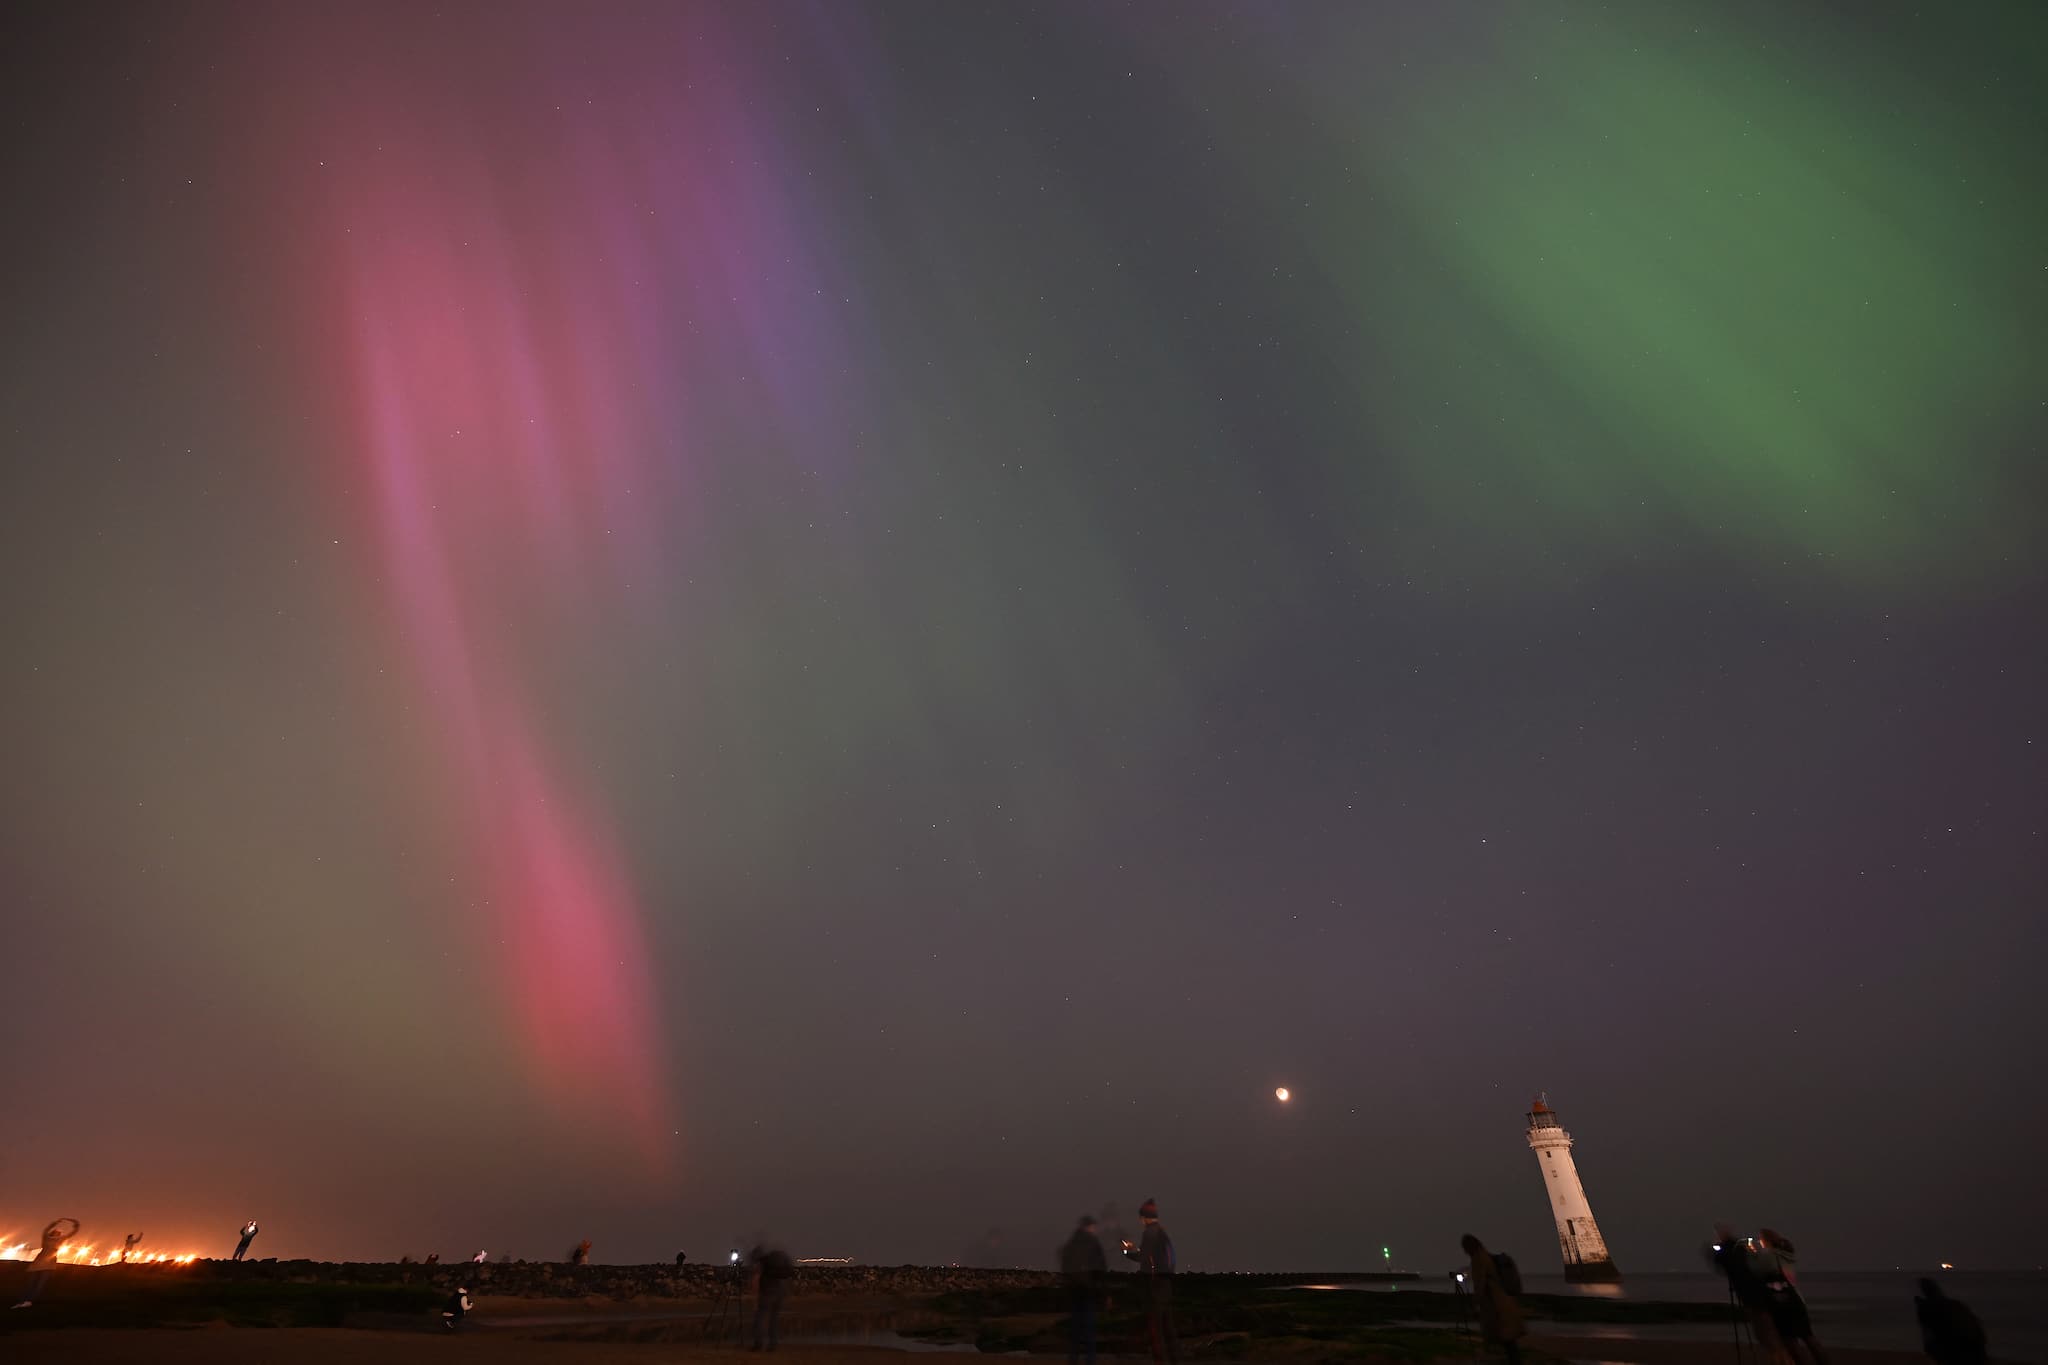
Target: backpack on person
column 1510, row 1273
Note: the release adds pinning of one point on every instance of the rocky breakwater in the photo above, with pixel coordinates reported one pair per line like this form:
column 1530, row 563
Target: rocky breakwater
column 560, row 1280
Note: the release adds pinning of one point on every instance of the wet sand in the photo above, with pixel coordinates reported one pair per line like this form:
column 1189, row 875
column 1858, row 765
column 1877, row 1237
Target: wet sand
column 1639, row 1351
column 334, row 1346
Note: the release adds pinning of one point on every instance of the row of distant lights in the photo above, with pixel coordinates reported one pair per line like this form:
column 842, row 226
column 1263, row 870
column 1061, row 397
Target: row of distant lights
column 82, row 1255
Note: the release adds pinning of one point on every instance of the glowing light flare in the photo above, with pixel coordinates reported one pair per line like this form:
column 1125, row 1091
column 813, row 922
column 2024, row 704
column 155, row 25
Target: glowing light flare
column 1283, row 1094
column 84, row 1253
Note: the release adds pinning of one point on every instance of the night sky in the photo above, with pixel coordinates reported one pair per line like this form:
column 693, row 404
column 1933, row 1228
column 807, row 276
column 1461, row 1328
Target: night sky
column 864, row 622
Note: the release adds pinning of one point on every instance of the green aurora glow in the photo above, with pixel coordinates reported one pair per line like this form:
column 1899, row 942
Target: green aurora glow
column 1658, row 266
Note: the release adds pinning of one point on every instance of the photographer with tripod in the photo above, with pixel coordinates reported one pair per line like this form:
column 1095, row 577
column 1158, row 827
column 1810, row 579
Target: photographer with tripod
column 1763, row 1282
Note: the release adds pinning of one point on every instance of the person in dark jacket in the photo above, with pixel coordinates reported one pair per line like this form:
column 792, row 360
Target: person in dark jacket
column 1776, row 1265
column 248, row 1236
column 1732, row 1256
column 1500, row 1316
column 1083, row 1270
column 458, row 1305
column 773, row 1270
column 1154, row 1255
column 1949, row 1331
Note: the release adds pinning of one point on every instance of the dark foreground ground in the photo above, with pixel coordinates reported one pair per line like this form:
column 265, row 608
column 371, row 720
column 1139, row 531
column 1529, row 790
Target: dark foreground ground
column 303, row 1312
column 345, row 1346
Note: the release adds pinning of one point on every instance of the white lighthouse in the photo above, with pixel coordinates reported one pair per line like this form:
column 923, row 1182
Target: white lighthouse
column 1585, row 1251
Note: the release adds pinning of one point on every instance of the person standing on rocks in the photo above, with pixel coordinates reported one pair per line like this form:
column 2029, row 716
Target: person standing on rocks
column 1500, row 1316
column 54, row 1238
column 1154, row 1255
column 773, row 1270
column 1083, row 1269
column 128, row 1245
column 248, row 1235
column 581, row 1255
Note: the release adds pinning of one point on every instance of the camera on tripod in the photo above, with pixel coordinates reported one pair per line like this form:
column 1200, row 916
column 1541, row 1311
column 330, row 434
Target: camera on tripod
column 728, row 1288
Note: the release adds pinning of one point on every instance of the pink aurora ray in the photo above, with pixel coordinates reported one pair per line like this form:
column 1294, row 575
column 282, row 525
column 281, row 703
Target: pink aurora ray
column 540, row 268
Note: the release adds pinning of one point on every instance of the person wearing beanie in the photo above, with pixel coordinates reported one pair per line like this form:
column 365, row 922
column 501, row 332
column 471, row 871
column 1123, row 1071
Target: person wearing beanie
column 1082, row 1269
column 1154, row 1255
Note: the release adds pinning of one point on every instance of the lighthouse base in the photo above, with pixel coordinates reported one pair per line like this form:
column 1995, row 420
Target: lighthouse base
column 1592, row 1272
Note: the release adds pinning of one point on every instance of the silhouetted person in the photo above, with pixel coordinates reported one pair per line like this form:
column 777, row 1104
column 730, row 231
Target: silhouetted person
column 1154, row 1255
column 682, row 1257
column 1778, row 1270
column 1500, row 1316
column 54, row 1238
column 1732, row 1257
column 1083, row 1269
column 1949, row 1331
column 433, row 1258
column 248, row 1236
column 581, row 1255
column 128, row 1245
column 458, row 1304
column 773, row 1270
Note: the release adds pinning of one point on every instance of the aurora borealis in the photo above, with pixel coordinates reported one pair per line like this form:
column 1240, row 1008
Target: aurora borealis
column 868, row 622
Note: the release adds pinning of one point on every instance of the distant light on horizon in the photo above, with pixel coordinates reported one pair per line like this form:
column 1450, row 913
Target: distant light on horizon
column 1283, row 1094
